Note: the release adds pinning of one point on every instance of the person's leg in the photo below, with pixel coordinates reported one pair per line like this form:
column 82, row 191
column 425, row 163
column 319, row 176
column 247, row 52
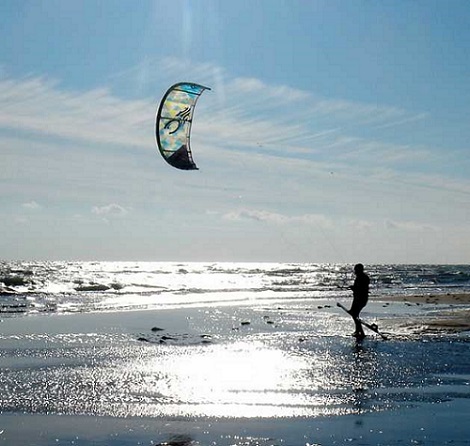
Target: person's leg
column 354, row 312
column 359, row 330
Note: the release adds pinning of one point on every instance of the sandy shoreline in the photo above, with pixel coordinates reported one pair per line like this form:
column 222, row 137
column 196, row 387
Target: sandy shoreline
column 455, row 318
column 431, row 298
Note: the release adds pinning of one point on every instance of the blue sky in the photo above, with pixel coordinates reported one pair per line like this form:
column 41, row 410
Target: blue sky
column 335, row 131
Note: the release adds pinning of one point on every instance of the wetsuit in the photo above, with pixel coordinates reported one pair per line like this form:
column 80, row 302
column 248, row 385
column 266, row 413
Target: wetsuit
column 360, row 296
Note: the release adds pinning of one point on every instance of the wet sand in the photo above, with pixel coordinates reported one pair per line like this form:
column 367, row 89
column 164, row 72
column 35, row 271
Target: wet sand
column 448, row 298
column 63, row 374
column 451, row 314
column 430, row 425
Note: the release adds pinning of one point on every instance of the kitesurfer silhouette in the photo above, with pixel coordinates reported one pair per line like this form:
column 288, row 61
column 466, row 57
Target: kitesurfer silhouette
column 360, row 290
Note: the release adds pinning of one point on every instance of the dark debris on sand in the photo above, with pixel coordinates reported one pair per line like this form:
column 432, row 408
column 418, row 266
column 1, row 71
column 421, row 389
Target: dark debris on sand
column 174, row 338
column 177, row 440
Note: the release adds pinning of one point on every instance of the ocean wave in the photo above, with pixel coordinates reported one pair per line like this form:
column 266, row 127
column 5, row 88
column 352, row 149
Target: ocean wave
column 91, row 286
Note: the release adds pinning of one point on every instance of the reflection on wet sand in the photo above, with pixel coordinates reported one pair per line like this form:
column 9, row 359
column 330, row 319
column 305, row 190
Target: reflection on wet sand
column 299, row 366
column 237, row 380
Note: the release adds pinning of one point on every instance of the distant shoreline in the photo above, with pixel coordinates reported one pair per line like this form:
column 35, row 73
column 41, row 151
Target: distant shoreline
column 453, row 320
column 429, row 298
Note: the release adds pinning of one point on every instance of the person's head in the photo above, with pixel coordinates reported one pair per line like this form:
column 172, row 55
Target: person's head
column 359, row 268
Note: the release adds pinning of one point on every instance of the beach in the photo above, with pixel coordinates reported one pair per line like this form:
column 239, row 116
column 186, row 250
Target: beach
column 272, row 364
column 452, row 314
column 238, row 381
column 441, row 425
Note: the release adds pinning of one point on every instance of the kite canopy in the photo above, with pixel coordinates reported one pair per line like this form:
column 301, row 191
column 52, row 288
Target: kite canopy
column 173, row 124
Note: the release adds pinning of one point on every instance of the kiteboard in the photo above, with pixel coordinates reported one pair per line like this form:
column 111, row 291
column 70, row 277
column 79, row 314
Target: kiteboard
column 372, row 327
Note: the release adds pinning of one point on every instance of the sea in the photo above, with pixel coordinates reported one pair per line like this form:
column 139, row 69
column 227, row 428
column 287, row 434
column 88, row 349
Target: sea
column 227, row 354
column 66, row 287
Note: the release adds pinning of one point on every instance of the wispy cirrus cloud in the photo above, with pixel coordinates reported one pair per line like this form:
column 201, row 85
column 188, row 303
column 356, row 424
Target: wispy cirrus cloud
column 245, row 111
column 243, row 114
column 249, row 95
column 291, row 131
column 41, row 106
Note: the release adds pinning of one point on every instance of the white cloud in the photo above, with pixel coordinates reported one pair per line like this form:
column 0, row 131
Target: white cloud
column 360, row 225
column 258, row 93
column 409, row 226
column 32, row 206
column 21, row 220
column 272, row 126
column 110, row 210
column 285, row 156
column 257, row 215
column 276, row 218
column 250, row 114
column 322, row 221
column 41, row 106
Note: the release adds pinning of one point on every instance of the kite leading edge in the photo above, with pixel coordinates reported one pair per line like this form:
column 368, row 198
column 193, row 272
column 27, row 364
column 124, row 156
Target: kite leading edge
column 173, row 124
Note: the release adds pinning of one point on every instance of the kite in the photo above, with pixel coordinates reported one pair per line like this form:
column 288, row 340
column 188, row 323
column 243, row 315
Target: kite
column 173, row 124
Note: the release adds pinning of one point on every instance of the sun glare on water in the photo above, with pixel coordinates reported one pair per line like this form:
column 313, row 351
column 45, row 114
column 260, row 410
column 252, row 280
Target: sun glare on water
column 240, row 380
